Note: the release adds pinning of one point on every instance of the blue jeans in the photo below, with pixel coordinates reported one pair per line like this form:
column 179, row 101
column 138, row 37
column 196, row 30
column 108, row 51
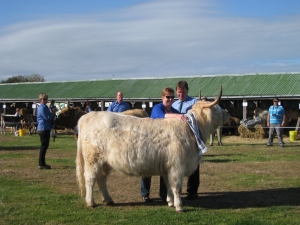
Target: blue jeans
column 145, row 186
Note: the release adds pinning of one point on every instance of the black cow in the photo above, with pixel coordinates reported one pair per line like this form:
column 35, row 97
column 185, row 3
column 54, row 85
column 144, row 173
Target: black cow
column 11, row 121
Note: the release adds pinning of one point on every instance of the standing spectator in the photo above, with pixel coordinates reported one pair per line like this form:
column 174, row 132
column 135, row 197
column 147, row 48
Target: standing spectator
column 161, row 110
column 183, row 104
column 45, row 123
column 17, row 114
column 19, row 125
column 275, row 121
column 119, row 105
column 88, row 107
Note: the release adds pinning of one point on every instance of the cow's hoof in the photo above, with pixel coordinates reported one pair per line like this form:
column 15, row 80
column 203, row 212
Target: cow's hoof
column 170, row 204
column 91, row 204
column 179, row 210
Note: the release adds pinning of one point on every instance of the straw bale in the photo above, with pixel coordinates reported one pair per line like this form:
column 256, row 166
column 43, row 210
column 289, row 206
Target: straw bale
column 256, row 132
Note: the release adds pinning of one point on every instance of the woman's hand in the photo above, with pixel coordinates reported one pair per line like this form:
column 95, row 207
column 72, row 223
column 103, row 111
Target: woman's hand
column 181, row 117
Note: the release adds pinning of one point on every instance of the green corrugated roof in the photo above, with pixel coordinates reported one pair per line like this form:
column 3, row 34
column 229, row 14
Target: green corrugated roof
column 234, row 86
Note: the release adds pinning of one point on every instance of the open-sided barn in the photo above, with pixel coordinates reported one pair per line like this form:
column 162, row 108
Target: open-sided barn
column 241, row 93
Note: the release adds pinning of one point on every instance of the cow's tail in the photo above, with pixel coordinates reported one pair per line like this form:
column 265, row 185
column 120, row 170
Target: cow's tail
column 80, row 168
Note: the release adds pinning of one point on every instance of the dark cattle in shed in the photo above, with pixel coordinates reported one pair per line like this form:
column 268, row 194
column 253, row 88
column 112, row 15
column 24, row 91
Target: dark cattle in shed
column 292, row 114
column 24, row 117
column 32, row 123
column 11, row 121
column 69, row 116
column 232, row 125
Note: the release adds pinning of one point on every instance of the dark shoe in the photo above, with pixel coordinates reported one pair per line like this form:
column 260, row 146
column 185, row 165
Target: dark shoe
column 164, row 199
column 191, row 197
column 45, row 167
column 146, row 199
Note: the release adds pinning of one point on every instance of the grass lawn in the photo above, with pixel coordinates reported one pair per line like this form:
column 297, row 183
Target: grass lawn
column 242, row 182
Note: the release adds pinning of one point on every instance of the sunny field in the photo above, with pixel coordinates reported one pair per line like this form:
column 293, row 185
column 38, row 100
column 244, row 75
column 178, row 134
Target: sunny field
column 242, row 182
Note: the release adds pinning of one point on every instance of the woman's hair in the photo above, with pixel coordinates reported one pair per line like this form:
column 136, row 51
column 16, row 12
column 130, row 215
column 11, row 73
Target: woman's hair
column 43, row 96
column 167, row 91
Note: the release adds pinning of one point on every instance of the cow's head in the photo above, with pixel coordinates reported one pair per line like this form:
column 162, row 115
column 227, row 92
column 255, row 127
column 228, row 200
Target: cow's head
column 210, row 115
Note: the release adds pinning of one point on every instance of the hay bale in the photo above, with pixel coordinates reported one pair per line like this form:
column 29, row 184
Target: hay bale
column 256, row 132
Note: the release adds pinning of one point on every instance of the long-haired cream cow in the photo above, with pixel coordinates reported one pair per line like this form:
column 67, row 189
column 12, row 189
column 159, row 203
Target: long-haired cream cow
column 141, row 147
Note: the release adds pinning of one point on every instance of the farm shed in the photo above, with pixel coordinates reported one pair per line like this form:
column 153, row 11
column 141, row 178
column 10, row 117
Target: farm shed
column 241, row 93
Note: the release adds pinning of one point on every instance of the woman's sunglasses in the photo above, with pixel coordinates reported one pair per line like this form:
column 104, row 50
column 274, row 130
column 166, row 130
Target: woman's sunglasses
column 169, row 97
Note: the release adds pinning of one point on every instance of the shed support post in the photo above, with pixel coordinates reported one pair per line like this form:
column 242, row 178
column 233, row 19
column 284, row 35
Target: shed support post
column 102, row 105
column 245, row 104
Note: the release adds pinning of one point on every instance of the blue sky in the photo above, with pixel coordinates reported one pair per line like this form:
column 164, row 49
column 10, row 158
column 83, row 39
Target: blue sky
column 83, row 40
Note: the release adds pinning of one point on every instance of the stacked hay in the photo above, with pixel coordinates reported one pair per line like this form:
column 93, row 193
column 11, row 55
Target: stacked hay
column 257, row 132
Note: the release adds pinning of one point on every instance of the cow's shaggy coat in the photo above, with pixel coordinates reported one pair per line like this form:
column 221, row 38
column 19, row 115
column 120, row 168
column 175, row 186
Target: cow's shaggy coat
column 141, row 147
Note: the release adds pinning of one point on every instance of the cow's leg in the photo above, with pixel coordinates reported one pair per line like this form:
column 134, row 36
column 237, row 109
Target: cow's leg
column 90, row 178
column 175, row 182
column 101, row 181
column 170, row 198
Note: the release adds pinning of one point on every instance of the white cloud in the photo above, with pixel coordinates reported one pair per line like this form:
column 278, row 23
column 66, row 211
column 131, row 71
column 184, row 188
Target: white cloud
column 163, row 38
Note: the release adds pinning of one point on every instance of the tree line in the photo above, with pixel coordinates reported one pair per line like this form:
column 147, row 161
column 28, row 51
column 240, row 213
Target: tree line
column 24, row 79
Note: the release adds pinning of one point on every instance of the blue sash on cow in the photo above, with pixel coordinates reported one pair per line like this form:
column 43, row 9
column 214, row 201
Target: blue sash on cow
column 194, row 127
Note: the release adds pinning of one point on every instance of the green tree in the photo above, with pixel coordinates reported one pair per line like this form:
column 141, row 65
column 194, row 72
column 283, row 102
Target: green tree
column 24, row 79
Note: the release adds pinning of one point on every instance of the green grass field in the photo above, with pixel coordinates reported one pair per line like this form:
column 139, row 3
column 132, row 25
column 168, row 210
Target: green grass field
column 242, row 182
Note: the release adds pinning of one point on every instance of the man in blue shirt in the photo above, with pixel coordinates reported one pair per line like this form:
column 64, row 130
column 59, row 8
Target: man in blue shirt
column 119, row 105
column 183, row 104
column 275, row 120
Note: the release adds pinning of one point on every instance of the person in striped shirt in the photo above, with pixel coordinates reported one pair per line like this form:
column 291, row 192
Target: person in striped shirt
column 275, row 121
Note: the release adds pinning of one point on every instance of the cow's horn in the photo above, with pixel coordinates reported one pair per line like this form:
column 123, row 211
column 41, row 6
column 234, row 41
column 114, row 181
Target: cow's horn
column 216, row 101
